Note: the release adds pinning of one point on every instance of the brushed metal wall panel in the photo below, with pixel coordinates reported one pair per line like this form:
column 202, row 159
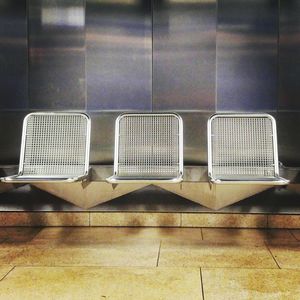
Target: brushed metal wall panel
column 247, row 42
column 102, row 137
column 13, row 55
column 289, row 55
column 184, row 54
column 57, row 54
column 119, row 55
column 288, row 138
column 194, row 130
column 11, row 123
column 195, row 137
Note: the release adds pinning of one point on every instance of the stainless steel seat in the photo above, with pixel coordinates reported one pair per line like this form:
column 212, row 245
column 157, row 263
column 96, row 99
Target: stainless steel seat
column 242, row 148
column 55, row 147
column 149, row 148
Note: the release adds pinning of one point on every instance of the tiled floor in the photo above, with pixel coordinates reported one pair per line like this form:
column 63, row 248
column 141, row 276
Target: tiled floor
column 149, row 263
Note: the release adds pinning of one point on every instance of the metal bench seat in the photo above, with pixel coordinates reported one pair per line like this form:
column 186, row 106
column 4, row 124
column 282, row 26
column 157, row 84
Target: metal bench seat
column 148, row 148
column 55, row 148
column 242, row 148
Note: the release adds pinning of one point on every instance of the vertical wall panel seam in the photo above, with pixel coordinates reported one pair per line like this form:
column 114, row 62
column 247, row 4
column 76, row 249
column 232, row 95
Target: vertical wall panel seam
column 28, row 52
column 278, row 56
column 85, row 58
column 152, row 49
column 216, row 61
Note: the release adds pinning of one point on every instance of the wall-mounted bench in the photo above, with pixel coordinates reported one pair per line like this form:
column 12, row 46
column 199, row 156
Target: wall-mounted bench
column 148, row 148
column 55, row 148
column 242, row 158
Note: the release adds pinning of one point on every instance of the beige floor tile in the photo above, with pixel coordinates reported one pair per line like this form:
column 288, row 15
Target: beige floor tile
column 44, row 219
column 101, row 283
column 8, row 254
column 284, row 221
column 18, row 234
column 246, row 235
column 251, row 284
column 52, row 236
column 88, row 234
column 135, row 219
column 175, row 234
column 97, row 236
column 92, row 234
column 4, row 269
column 56, row 232
column 210, row 254
column 138, row 253
column 296, row 233
column 287, row 255
column 224, row 220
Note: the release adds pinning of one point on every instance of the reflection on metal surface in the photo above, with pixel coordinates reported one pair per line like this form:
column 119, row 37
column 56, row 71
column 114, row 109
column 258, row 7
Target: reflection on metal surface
column 118, row 55
column 70, row 16
column 87, row 195
column 289, row 55
column 13, row 55
column 247, row 55
column 184, row 55
column 57, row 54
column 214, row 196
column 114, row 2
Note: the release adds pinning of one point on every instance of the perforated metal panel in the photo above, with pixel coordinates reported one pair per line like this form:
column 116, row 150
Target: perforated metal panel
column 148, row 146
column 242, row 147
column 55, row 144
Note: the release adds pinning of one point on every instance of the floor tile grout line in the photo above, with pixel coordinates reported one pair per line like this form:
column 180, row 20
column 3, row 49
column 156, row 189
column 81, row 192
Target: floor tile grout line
column 158, row 255
column 201, row 282
column 272, row 256
column 144, row 267
column 38, row 266
column 7, row 273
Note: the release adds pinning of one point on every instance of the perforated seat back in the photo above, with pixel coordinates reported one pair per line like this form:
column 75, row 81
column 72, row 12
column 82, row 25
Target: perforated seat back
column 148, row 146
column 55, row 144
column 242, row 147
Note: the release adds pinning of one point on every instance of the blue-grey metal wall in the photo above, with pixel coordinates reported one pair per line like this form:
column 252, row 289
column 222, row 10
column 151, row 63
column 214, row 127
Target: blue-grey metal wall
column 289, row 88
column 247, row 53
column 107, row 56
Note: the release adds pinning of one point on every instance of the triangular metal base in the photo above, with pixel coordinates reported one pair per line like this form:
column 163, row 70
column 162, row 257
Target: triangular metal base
column 214, row 196
column 87, row 195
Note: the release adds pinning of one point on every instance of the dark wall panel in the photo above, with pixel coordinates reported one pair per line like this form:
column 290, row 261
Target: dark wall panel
column 13, row 55
column 289, row 55
column 247, row 63
column 57, row 54
column 288, row 138
column 184, row 54
column 119, row 55
column 11, row 123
